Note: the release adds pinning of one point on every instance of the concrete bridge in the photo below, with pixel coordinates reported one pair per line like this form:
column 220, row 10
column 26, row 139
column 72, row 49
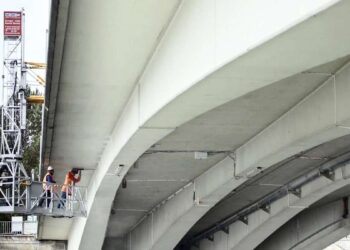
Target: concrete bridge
column 205, row 122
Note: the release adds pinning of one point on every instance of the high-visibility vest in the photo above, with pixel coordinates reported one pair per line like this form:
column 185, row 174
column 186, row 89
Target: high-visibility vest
column 69, row 181
column 45, row 186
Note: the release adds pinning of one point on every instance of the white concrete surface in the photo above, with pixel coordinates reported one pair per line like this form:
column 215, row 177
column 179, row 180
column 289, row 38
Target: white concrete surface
column 262, row 224
column 305, row 130
column 100, row 50
column 156, row 175
column 187, row 76
column 131, row 158
column 341, row 244
column 314, row 229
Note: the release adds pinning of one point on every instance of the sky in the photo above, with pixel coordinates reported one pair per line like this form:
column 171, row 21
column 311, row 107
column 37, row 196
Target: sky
column 37, row 13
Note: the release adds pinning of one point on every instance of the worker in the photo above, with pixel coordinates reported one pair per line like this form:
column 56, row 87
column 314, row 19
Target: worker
column 48, row 182
column 69, row 181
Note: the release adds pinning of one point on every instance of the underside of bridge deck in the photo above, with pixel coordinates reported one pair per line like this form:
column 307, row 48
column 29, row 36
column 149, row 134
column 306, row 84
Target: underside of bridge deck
column 260, row 104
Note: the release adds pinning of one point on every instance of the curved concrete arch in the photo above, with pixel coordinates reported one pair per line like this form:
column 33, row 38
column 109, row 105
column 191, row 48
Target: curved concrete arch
column 262, row 224
column 141, row 125
column 310, row 193
column 326, row 236
column 313, row 229
column 166, row 226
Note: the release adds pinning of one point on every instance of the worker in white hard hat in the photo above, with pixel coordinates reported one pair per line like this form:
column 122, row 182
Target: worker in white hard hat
column 48, row 182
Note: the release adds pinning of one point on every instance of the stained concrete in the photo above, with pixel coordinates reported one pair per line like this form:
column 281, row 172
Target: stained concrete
column 30, row 243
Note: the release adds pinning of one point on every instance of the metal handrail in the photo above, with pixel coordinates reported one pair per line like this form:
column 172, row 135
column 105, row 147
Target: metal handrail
column 71, row 205
column 11, row 228
column 42, row 198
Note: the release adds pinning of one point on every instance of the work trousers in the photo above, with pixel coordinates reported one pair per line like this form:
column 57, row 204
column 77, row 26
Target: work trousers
column 63, row 200
column 46, row 196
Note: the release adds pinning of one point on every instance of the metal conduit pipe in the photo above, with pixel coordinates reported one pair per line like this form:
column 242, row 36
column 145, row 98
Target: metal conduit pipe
column 326, row 169
column 301, row 155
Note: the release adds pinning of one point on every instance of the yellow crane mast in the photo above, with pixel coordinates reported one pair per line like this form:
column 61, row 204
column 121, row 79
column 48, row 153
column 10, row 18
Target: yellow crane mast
column 31, row 66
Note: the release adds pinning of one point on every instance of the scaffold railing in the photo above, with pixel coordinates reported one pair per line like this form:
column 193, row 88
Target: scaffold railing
column 52, row 202
column 35, row 199
column 18, row 192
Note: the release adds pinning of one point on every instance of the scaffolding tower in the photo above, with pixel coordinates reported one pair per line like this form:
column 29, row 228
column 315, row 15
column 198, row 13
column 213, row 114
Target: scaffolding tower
column 13, row 115
column 18, row 193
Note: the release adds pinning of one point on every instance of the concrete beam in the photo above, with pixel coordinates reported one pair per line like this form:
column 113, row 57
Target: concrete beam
column 313, row 229
column 201, row 64
column 58, row 26
column 143, row 122
column 313, row 121
column 318, row 118
column 205, row 45
column 54, row 228
column 328, row 236
column 261, row 224
column 287, row 209
column 167, row 225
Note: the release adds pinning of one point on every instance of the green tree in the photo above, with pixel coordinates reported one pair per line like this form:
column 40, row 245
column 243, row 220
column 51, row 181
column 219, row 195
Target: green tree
column 31, row 148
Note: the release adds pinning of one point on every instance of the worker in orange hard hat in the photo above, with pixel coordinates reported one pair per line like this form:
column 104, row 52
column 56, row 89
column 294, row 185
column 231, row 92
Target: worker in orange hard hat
column 48, row 182
column 69, row 181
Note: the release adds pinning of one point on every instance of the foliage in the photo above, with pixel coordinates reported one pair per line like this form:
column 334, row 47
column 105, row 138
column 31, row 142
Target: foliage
column 31, row 148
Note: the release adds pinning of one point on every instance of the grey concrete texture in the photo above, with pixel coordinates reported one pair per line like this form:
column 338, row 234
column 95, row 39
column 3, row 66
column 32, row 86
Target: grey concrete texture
column 316, row 228
column 29, row 243
column 221, row 124
column 224, row 128
column 313, row 132
column 262, row 224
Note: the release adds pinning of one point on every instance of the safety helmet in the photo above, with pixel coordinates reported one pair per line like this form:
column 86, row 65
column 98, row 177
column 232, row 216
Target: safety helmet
column 49, row 168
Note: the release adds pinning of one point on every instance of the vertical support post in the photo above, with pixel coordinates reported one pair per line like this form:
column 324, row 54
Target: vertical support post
column 13, row 115
column 28, row 195
column 13, row 186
